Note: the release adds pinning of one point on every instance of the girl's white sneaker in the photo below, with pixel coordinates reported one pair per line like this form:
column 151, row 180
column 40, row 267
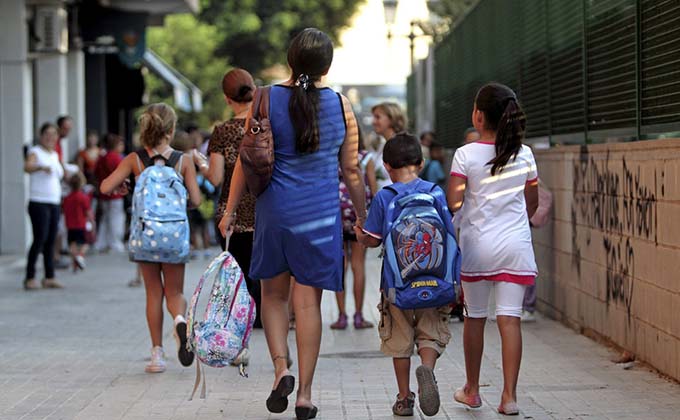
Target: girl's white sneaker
column 157, row 363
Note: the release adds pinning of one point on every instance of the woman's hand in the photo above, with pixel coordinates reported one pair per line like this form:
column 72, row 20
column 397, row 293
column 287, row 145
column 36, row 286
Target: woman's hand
column 227, row 223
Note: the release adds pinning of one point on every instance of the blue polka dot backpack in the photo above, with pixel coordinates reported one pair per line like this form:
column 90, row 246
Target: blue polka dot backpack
column 159, row 228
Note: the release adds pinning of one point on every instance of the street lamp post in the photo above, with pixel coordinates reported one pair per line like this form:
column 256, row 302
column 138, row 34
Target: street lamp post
column 390, row 7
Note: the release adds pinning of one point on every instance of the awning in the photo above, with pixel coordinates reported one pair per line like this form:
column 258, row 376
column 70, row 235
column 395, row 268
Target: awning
column 188, row 97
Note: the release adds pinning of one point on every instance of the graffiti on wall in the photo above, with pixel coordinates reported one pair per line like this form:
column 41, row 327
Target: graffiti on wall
column 621, row 204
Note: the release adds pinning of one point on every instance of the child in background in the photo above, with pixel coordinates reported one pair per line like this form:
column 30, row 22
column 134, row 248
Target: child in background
column 198, row 224
column 401, row 329
column 77, row 213
column 434, row 168
column 496, row 179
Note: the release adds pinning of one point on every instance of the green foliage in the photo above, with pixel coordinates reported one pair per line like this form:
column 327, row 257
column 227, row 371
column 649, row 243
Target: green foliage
column 189, row 46
column 255, row 34
column 450, row 11
column 252, row 34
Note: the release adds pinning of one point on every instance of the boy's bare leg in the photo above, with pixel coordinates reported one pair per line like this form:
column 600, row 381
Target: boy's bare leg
column 402, row 369
column 428, row 357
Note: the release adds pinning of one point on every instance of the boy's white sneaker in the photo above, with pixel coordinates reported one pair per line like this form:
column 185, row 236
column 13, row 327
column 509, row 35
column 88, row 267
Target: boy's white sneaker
column 157, row 363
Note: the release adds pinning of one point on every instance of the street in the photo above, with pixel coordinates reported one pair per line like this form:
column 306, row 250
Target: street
column 79, row 353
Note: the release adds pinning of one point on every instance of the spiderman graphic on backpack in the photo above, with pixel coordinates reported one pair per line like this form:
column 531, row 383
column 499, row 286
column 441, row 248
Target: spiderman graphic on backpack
column 422, row 259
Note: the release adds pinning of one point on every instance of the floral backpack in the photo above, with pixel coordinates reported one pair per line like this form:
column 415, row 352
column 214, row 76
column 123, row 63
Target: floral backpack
column 349, row 217
column 221, row 338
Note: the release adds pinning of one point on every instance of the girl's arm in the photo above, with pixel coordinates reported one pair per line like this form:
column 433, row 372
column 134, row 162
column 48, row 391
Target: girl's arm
column 372, row 180
column 531, row 197
column 119, row 175
column 455, row 193
column 351, row 172
column 189, row 174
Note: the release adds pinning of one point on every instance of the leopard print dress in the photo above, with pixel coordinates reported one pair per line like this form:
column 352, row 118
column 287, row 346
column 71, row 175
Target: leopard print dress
column 226, row 140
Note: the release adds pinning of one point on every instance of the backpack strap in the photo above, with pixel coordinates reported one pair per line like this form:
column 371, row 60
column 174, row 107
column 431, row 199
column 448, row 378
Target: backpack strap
column 261, row 103
column 144, row 157
column 174, row 158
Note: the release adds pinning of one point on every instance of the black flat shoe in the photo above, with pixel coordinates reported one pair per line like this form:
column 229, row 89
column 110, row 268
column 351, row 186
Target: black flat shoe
column 186, row 357
column 304, row 413
column 278, row 399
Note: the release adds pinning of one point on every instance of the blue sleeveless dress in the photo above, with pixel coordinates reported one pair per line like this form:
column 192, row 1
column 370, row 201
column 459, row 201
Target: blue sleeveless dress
column 297, row 218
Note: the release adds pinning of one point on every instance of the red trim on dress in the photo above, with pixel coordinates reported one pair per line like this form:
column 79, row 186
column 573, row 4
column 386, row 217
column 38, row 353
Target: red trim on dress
column 510, row 278
column 456, row 174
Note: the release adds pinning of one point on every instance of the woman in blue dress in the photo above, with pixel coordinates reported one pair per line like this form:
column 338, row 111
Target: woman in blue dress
column 298, row 229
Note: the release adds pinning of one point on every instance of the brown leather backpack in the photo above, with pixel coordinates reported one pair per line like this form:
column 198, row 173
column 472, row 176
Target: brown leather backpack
column 257, row 146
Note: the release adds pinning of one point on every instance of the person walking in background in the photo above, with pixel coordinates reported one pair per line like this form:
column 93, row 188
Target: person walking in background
column 45, row 170
column 297, row 218
column 427, row 138
column 470, row 135
column 112, row 222
column 355, row 252
column 238, row 88
column 537, row 221
column 164, row 273
column 64, row 127
column 496, row 178
column 87, row 158
column 77, row 213
column 434, row 168
column 388, row 120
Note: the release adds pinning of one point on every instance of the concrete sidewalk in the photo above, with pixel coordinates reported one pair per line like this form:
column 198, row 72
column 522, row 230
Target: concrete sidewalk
column 79, row 353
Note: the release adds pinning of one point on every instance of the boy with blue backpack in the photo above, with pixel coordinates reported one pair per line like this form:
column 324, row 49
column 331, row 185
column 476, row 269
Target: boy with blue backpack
column 420, row 271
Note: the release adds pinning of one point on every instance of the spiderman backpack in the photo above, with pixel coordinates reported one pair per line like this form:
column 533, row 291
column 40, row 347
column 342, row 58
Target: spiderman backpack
column 422, row 260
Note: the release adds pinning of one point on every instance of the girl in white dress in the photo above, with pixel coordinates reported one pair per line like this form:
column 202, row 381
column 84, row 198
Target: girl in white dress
column 497, row 179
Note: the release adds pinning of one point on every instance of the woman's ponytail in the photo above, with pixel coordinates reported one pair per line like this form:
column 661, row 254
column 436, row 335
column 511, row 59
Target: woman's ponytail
column 157, row 122
column 309, row 56
column 303, row 108
column 509, row 135
column 505, row 116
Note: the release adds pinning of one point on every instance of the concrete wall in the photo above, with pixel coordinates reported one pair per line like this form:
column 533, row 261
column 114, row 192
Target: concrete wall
column 609, row 261
column 16, row 125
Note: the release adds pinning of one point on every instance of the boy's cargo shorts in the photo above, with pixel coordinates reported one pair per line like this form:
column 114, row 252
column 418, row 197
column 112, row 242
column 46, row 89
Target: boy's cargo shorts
column 401, row 329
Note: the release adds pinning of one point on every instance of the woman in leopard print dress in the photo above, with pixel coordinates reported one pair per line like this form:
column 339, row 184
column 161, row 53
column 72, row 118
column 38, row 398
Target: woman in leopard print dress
column 239, row 88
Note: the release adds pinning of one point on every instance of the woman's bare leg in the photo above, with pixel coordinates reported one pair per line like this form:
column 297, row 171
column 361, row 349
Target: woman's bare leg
column 307, row 304
column 275, row 295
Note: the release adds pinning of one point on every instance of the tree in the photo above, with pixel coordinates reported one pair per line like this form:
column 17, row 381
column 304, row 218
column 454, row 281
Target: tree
column 449, row 12
column 254, row 34
column 189, row 46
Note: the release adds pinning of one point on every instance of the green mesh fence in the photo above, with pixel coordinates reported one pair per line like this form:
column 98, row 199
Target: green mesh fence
column 584, row 70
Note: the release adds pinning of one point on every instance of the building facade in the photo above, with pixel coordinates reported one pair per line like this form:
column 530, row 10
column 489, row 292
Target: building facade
column 78, row 58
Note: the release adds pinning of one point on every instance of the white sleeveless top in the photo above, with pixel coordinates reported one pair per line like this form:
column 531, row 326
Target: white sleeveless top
column 495, row 238
column 46, row 187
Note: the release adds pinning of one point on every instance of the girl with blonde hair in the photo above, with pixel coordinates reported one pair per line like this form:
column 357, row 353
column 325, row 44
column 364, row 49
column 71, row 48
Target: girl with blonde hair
column 161, row 279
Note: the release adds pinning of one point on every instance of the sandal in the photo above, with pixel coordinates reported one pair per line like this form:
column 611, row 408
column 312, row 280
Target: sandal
column 509, row 409
column 304, row 413
column 278, row 398
column 472, row 401
column 341, row 323
column 360, row 322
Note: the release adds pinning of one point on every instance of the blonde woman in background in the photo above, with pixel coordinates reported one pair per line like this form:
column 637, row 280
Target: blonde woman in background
column 388, row 120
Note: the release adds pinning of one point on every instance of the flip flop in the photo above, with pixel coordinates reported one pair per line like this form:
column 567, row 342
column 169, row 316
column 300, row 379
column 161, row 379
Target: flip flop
column 509, row 409
column 305, row 413
column 472, row 401
column 278, row 398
